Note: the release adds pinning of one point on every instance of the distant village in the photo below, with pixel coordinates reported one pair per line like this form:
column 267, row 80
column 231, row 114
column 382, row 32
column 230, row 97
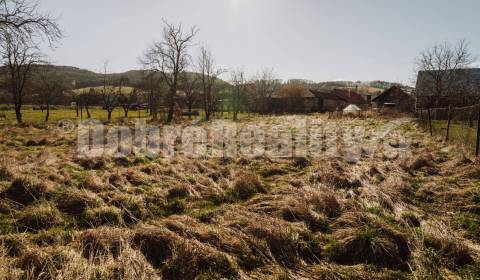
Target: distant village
column 463, row 89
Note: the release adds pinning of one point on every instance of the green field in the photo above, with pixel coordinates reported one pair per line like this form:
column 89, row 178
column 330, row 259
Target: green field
column 31, row 116
column 37, row 117
column 459, row 133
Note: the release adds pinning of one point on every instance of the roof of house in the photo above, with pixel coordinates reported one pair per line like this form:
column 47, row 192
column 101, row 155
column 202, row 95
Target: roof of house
column 325, row 95
column 302, row 93
column 349, row 96
column 467, row 81
column 392, row 90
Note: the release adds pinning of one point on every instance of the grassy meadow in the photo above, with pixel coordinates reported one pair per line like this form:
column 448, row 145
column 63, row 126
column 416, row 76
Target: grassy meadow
column 379, row 216
column 460, row 133
column 37, row 117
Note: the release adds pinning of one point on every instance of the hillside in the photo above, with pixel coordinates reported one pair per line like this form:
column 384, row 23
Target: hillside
column 81, row 78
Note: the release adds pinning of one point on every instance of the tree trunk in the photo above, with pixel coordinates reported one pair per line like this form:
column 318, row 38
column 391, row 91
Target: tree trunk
column 126, row 112
column 18, row 113
column 207, row 114
column 170, row 107
column 88, row 112
column 109, row 117
column 47, row 116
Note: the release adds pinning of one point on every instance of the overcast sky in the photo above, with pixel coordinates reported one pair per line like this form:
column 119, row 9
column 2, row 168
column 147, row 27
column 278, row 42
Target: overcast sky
column 312, row 39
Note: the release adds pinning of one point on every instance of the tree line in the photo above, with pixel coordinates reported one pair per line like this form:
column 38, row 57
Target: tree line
column 170, row 72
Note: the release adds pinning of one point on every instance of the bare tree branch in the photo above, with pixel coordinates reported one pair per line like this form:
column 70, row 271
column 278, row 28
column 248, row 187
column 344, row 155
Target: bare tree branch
column 170, row 58
column 23, row 17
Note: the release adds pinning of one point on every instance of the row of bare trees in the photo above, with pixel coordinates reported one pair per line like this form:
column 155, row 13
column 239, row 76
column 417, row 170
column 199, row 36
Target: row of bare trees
column 169, row 59
column 22, row 28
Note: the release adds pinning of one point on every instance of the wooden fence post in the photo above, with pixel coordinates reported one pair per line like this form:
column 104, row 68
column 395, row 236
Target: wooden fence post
column 430, row 121
column 448, row 123
column 421, row 117
column 478, row 132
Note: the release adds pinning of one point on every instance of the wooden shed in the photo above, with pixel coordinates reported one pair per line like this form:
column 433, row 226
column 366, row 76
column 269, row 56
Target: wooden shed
column 395, row 98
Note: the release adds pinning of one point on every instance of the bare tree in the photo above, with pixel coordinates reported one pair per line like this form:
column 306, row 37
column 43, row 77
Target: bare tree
column 239, row 83
column 170, row 57
column 24, row 18
column 50, row 87
column 265, row 84
column 87, row 98
column 151, row 87
column 109, row 93
column 128, row 99
column 208, row 79
column 190, row 85
column 444, row 66
column 17, row 56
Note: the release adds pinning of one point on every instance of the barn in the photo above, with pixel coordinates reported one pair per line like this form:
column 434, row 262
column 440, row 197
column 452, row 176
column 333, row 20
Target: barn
column 396, row 98
column 460, row 88
column 327, row 101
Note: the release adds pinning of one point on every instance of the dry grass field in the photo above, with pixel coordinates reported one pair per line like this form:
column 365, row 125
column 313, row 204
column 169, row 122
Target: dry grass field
column 380, row 216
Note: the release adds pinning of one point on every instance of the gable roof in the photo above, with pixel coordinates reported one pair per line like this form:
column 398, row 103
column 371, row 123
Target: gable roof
column 325, row 95
column 466, row 82
column 301, row 93
column 349, row 96
column 390, row 91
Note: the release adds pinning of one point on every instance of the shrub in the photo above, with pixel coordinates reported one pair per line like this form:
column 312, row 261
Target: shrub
column 101, row 242
column 75, row 202
column 116, row 180
column 325, row 202
column 411, row 219
column 301, row 212
column 13, row 245
column 36, row 263
column 181, row 258
column 272, row 171
column 6, row 172
column 173, row 207
column 366, row 239
column 132, row 207
column 106, row 215
column 452, row 251
column 332, row 179
column 419, row 162
column 301, row 162
column 36, row 217
column 180, row 191
column 123, row 161
column 246, row 185
column 92, row 163
column 136, row 178
column 155, row 244
column 41, row 142
column 26, row 189
column 93, row 183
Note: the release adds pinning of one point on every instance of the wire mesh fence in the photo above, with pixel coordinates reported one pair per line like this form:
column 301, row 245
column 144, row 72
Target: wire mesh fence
column 455, row 124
